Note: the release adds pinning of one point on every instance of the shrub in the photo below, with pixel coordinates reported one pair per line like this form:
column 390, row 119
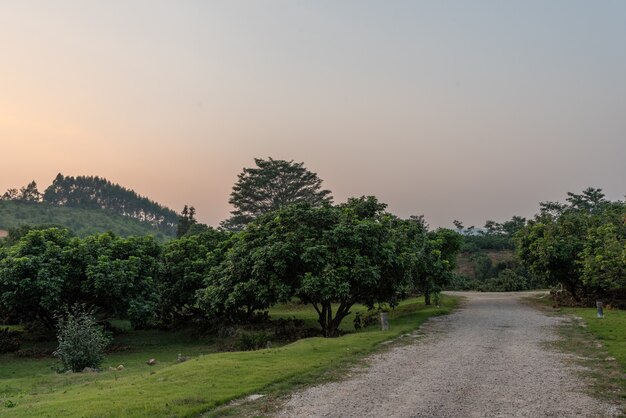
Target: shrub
column 290, row 329
column 253, row 341
column 365, row 319
column 81, row 340
column 9, row 340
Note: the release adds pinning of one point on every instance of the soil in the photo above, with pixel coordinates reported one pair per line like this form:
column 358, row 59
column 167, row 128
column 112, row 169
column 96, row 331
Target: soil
column 491, row 358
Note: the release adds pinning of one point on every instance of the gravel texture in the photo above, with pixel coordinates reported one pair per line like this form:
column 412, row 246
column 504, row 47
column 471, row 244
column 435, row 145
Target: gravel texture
column 488, row 359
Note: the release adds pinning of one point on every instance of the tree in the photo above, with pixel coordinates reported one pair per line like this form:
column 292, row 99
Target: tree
column 120, row 276
column 91, row 192
column 330, row 257
column 185, row 221
column 185, row 266
column 81, row 340
column 33, row 275
column 550, row 246
column 576, row 244
column 11, row 194
column 271, row 185
column 440, row 259
column 29, row 193
column 603, row 259
column 47, row 269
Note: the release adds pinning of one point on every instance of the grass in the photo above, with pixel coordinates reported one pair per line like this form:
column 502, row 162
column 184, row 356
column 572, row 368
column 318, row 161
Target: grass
column 610, row 330
column 600, row 347
column 30, row 388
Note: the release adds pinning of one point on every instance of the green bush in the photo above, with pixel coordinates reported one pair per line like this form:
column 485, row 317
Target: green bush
column 9, row 340
column 365, row 319
column 81, row 340
column 253, row 341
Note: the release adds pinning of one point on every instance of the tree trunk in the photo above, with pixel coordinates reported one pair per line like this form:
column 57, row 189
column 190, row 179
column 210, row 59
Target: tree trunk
column 330, row 325
column 427, row 297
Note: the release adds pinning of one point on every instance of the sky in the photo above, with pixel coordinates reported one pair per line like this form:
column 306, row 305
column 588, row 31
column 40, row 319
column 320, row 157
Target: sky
column 469, row 110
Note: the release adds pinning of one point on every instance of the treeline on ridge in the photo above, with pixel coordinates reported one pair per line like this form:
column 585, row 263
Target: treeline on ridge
column 93, row 192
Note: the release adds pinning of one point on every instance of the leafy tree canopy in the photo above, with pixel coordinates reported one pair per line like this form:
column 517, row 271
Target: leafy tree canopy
column 98, row 192
column 578, row 244
column 271, row 185
column 328, row 256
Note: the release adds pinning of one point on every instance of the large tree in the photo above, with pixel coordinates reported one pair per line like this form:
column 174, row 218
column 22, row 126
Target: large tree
column 185, row 264
column 271, row 185
column 578, row 244
column 330, row 257
column 47, row 269
column 33, row 275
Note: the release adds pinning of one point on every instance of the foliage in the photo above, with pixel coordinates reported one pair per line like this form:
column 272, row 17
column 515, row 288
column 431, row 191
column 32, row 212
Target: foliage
column 579, row 245
column 444, row 247
column 330, row 257
column 185, row 221
column 603, row 258
column 488, row 263
column 120, row 275
column 365, row 319
column 271, row 185
column 248, row 341
column 47, row 269
column 15, row 215
column 26, row 194
column 32, row 275
column 9, row 340
column 81, row 341
column 99, row 193
column 185, row 265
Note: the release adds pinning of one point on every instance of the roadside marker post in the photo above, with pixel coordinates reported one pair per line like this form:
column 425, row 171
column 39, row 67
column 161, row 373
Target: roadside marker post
column 384, row 321
column 600, row 309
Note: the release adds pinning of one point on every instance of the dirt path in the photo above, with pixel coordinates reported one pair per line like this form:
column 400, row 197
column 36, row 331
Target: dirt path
column 485, row 360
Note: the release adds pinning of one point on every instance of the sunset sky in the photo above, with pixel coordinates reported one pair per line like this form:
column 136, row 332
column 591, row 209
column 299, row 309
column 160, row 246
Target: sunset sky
column 469, row 110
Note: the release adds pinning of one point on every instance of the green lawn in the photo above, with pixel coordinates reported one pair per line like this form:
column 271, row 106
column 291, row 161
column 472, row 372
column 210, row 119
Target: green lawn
column 205, row 381
column 610, row 330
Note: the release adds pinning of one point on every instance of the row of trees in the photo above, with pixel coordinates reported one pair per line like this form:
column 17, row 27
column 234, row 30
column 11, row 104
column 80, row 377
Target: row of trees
column 487, row 260
column 329, row 256
column 28, row 193
column 580, row 244
column 93, row 192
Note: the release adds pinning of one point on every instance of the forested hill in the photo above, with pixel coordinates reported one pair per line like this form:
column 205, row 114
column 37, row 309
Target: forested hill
column 97, row 199
column 89, row 192
column 81, row 222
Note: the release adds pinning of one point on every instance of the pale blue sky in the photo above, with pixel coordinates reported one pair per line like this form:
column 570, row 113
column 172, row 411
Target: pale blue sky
column 468, row 110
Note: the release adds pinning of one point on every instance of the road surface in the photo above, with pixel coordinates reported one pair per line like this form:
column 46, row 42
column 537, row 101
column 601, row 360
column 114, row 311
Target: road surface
column 488, row 359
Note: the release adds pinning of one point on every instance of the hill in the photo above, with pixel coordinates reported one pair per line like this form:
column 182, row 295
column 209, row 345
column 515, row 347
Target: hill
column 93, row 192
column 81, row 221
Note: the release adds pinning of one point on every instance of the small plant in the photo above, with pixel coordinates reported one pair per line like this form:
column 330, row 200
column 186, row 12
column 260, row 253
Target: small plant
column 253, row 341
column 9, row 404
column 9, row 340
column 365, row 319
column 81, row 340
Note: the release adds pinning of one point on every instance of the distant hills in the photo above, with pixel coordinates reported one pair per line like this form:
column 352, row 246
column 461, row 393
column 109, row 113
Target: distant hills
column 85, row 205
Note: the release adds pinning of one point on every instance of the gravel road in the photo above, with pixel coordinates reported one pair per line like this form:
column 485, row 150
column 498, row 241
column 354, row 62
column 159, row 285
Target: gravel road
column 485, row 360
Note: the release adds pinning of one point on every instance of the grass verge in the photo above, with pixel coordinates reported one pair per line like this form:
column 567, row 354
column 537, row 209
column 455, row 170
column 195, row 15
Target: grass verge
column 200, row 384
column 599, row 346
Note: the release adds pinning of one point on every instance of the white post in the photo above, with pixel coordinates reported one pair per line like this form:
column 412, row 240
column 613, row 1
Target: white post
column 600, row 310
column 384, row 321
